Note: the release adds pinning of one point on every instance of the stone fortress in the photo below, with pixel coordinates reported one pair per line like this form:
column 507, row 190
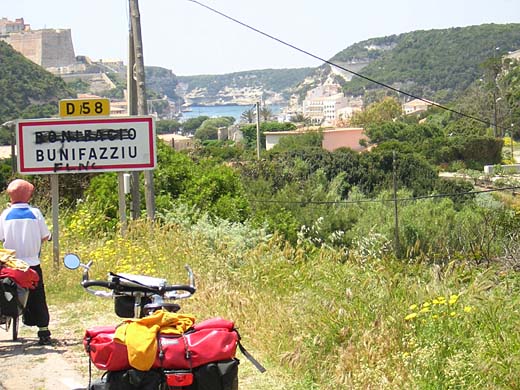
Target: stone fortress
column 53, row 50
column 49, row 48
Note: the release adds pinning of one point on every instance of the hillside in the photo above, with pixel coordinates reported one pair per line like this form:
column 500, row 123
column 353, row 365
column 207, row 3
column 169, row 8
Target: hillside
column 272, row 85
column 161, row 81
column 435, row 63
column 26, row 89
column 438, row 64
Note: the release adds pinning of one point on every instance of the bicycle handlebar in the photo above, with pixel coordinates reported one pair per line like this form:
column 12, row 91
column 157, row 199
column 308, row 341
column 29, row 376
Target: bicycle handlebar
column 168, row 291
column 131, row 284
column 86, row 284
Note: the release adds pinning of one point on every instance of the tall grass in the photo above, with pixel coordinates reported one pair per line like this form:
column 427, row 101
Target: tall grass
column 318, row 319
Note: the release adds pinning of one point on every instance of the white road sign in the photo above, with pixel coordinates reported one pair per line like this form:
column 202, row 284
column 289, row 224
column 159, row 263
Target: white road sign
column 86, row 145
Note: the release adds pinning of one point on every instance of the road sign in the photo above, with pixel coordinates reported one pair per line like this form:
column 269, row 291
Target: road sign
column 47, row 146
column 84, row 107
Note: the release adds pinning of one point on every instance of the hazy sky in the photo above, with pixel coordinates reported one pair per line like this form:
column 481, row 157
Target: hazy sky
column 189, row 39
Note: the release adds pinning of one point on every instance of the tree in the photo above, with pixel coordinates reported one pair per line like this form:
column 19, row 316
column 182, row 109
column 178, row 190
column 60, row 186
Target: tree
column 309, row 139
column 385, row 110
column 300, row 118
column 249, row 115
column 249, row 131
column 265, row 113
column 209, row 128
column 192, row 124
column 218, row 190
column 167, row 126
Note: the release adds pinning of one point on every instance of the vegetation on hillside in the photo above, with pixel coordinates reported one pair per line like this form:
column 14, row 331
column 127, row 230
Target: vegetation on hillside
column 26, row 89
column 277, row 80
column 161, row 81
column 437, row 64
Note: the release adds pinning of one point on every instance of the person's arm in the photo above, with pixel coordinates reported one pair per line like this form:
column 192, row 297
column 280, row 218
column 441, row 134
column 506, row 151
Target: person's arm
column 45, row 233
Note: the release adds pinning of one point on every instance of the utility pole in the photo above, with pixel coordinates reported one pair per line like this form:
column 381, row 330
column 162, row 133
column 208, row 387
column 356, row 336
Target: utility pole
column 495, row 101
column 142, row 109
column 258, row 130
column 396, row 215
column 495, row 92
column 131, row 90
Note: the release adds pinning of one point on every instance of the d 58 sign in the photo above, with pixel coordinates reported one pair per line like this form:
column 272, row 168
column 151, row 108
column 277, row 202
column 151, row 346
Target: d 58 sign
column 84, row 107
column 86, row 145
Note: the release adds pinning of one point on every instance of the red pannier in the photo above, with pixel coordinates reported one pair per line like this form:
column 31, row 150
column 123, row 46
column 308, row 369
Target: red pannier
column 24, row 279
column 211, row 340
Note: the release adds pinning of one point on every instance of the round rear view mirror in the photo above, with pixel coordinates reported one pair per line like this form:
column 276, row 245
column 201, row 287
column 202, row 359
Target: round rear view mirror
column 71, row 261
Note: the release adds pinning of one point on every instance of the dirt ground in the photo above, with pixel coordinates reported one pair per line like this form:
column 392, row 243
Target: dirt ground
column 26, row 365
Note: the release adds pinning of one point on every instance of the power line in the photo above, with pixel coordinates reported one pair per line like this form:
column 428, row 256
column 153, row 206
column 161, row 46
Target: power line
column 309, row 202
column 487, row 123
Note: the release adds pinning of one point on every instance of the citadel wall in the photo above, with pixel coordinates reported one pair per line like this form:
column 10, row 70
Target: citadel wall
column 49, row 48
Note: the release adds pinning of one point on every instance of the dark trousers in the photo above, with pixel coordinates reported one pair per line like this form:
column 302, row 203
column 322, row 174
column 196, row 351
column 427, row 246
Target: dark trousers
column 36, row 311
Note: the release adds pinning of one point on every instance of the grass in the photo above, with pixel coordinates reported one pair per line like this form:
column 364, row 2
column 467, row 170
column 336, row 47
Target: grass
column 314, row 319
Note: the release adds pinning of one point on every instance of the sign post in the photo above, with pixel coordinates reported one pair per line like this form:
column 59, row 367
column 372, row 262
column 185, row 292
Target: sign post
column 55, row 196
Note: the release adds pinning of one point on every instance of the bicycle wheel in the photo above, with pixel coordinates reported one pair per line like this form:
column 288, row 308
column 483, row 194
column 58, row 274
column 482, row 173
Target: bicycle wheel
column 14, row 325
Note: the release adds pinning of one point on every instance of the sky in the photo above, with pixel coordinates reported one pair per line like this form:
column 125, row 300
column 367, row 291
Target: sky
column 189, row 39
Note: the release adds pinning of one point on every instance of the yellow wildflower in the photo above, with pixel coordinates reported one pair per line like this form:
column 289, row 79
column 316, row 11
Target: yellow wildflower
column 410, row 316
column 453, row 299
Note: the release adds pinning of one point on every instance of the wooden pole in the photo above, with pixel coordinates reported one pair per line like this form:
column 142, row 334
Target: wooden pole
column 135, row 206
column 258, row 130
column 142, row 108
column 396, row 215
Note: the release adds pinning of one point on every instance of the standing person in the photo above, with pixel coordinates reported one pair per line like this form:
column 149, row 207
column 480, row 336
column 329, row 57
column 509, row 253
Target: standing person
column 23, row 228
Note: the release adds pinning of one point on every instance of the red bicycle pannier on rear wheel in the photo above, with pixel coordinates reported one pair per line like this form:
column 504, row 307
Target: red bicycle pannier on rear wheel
column 208, row 341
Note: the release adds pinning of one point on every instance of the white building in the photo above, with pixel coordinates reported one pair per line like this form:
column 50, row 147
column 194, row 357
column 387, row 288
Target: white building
column 323, row 103
column 416, row 105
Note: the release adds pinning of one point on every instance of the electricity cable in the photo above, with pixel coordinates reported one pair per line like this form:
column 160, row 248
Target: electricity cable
column 309, row 202
column 372, row 81
column 487, row 123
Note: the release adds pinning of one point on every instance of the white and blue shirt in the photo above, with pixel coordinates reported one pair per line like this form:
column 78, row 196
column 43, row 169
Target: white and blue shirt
column 22, row 228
